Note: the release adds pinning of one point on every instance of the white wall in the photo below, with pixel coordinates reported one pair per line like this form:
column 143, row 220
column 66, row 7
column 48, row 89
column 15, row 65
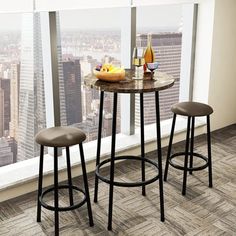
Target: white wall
column 215, row 63
column 222, row 87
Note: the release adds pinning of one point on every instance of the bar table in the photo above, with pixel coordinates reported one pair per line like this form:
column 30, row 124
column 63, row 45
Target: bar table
column 159, row 81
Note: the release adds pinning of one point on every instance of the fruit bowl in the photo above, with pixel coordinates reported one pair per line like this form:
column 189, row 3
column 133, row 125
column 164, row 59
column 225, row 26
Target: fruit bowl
column 108, row 72
column 110, row 76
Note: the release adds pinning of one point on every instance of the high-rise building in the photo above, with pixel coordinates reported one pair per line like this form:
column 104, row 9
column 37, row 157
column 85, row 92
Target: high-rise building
column 60, row 74
column 31, row 90
column 14, row 97
column 5, row 86
column 6, row 155
column 72, row 86
column 13, row 145
column 32, row 116
column 4, row 106
column 167, row 49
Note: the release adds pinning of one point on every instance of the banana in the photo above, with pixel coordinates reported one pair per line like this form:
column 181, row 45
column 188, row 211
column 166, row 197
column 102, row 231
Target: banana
column 116, row 70
column 111, row 69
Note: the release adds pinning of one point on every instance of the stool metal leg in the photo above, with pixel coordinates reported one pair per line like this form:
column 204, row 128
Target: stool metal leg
column 56, row 191
column 142, row 142
column 99, row 144
column 112, row 165
column 209, row 152
column 186, row 157
column 158, row 128
column 191, row 146
column 169, row 147
column 40, row 182
column 86, row 185
column 69, row 175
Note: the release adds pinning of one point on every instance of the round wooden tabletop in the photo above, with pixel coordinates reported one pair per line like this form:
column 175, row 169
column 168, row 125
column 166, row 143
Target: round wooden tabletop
column 160, row 81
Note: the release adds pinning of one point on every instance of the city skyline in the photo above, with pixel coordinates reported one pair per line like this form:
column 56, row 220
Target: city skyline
column 77, row 54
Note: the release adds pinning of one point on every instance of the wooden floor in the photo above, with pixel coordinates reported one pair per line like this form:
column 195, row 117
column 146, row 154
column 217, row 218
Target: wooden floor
column 203, row 211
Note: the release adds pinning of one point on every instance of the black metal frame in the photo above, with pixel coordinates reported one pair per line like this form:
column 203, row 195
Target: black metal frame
column 143, row 160
column 56, row 208
column 191, row 153
column 99, row 144
column 125, row 184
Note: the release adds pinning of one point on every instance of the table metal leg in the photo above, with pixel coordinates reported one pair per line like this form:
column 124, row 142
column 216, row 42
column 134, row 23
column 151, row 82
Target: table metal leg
column 159, row 155
column 99, row 144
column 142, row 142
column 112, row 166
column 169, row 147
column 186, row 157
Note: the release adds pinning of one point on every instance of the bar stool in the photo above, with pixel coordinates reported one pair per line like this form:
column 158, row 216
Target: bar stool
column 191, row 110
column 61, row 137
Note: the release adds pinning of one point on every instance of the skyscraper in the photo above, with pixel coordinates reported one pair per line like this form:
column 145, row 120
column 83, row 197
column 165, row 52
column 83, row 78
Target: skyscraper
column 60, row 74
column 14, row 97
column 72, row 86
column 167, row 48
column 31, row 91
column 5, row 86
column 6, row 155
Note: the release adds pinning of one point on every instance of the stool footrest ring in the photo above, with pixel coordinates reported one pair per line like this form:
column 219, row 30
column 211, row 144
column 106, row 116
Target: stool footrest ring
column 188, row 168
column 68, row 208
column 131, row 184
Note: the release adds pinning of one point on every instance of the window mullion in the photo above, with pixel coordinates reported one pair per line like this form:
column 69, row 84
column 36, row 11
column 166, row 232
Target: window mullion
column 50, row 67
column 188, row 51
column 128, row 42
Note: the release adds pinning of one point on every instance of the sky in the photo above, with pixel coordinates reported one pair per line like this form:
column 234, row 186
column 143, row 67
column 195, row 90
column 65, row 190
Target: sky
column 151, row 16
column 161, row 16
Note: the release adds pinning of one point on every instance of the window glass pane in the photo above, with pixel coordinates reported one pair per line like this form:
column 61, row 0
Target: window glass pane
column 164, row 24
column 87, row 37
column 10, row 37
column 22, row 105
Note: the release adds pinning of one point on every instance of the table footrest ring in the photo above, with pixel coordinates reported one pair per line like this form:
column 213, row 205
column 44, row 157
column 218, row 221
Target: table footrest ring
column 188, row 168
column 131, row 184
column 67, row 208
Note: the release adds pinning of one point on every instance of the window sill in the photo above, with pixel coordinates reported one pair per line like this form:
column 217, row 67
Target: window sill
column 20, row 173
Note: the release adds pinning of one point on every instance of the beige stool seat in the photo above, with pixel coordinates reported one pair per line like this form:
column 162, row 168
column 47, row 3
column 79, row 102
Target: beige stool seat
column 60, row 136
column 192, row 109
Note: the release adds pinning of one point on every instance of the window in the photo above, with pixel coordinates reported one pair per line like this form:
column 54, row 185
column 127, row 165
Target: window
column 22, row 109
column 86, row 37
column 86, row 42
column 164, row 23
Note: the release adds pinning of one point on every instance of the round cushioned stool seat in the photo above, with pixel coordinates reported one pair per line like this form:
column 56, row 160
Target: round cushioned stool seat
column 191, row 109
column 60, row 136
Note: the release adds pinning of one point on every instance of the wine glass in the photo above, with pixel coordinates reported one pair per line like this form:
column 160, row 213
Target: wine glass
column 152, row 66
column 138, row 61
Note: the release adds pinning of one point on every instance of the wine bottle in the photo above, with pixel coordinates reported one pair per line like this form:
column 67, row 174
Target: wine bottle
column 149, row 55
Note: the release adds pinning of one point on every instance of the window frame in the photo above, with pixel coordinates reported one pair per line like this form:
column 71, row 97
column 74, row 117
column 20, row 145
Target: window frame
column 51, row 79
